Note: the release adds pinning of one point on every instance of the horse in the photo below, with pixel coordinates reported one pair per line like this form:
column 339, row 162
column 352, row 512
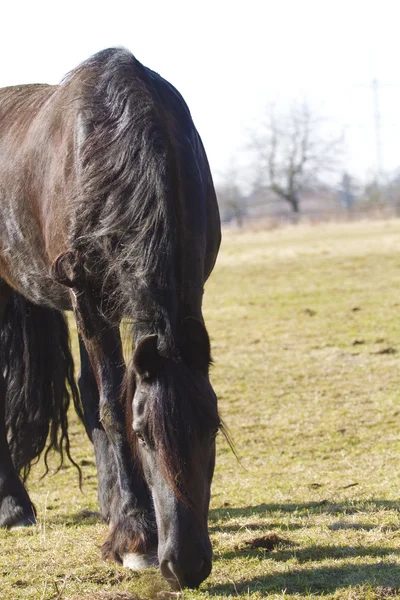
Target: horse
column 108, row 210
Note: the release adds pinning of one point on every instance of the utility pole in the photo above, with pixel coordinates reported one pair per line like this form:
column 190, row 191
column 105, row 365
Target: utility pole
column 375, row 86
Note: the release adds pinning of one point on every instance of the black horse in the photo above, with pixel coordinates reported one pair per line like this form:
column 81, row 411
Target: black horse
column 107, row 207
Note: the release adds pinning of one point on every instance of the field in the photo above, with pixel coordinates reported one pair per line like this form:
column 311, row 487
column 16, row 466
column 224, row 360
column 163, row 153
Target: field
column 305, row 328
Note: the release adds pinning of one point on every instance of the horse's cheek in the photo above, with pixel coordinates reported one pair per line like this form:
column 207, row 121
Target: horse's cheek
column 147, row 463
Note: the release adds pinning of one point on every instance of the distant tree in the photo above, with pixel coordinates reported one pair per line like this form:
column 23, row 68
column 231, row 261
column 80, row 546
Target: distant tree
column 347, row 196
column 291, row 151
column 374, row 193
column 393, row 191
column 231, row 200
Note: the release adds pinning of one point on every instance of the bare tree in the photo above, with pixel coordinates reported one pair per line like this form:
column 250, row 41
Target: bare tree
column 292, row 151
column 231, row 199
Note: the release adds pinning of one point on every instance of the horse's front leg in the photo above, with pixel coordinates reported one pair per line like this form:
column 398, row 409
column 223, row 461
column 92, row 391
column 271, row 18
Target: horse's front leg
column 124, row 497
column 108, row 486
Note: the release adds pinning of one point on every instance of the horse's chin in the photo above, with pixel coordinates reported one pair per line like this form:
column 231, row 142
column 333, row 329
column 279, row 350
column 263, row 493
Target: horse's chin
column 138, row 562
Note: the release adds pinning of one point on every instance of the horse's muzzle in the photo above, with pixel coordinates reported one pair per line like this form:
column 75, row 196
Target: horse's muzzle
column 180, row 576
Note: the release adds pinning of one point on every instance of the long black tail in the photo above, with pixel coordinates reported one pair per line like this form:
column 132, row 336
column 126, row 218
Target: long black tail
column 38, row 368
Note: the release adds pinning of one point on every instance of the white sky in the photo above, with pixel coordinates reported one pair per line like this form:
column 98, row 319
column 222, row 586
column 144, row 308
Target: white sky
column 230, row 60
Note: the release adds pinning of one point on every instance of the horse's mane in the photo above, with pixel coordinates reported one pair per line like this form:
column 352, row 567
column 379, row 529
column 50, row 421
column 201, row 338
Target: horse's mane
column 124, row 222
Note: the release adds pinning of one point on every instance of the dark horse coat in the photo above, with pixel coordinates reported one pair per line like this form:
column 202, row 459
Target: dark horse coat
column 107, row 207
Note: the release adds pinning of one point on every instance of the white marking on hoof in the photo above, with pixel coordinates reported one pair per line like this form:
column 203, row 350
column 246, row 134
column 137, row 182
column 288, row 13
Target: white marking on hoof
column 138, row 562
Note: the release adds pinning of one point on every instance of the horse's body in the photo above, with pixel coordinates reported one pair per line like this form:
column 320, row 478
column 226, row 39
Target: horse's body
column 107, row 207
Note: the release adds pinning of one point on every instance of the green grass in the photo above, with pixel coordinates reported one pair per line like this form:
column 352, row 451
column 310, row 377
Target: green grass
column 305, row 328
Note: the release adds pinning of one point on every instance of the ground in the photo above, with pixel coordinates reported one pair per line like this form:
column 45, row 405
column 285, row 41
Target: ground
column 305, row 330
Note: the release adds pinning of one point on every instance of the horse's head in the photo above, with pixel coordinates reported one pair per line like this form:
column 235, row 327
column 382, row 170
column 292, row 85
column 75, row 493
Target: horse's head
column 175, row 419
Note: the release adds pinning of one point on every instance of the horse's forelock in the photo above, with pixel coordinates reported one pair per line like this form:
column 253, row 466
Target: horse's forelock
column 180, row 410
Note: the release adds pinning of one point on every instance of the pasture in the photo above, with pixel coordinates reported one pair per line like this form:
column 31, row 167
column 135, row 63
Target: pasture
column 305, row 330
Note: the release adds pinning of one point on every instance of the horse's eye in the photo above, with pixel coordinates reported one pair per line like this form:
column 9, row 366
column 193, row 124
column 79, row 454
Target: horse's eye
column 140, row 438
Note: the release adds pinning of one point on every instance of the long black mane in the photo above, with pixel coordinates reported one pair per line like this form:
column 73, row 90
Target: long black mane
column 128, row 177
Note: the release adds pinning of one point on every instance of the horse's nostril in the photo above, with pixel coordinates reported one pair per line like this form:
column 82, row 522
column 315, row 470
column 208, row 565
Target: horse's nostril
column 204, row 568
column 171, row 573
column 166, row 569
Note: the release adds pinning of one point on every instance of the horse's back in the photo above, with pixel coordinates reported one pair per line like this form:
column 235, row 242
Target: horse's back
column 27, row 154
column 19, row 104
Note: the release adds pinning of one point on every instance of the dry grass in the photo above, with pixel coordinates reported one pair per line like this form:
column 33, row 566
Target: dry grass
column 306, row 339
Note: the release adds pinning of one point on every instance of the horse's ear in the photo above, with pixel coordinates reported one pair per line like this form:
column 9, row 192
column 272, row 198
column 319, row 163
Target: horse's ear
column 196, row 346
column 67, row 269
column 146, row 358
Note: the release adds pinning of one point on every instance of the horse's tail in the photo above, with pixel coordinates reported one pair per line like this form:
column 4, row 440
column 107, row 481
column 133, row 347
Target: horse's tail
column 38, row 369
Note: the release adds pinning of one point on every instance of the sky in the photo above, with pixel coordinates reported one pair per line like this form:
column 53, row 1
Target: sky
column 231, row 60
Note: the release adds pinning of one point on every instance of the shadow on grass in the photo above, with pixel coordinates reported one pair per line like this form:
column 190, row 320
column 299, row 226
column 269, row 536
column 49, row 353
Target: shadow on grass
column 318, row 508
column 320, row 578
column 256, row 527
column 317, row 580
column 82, row 518
column 313, row 553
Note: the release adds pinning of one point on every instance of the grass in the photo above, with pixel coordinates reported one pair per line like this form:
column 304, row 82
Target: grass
column 305, row 329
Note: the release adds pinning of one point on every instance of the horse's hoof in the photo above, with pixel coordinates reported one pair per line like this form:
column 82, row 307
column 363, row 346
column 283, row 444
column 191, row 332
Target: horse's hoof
column 138, row 562
column 24, row 523
column 16, row 513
